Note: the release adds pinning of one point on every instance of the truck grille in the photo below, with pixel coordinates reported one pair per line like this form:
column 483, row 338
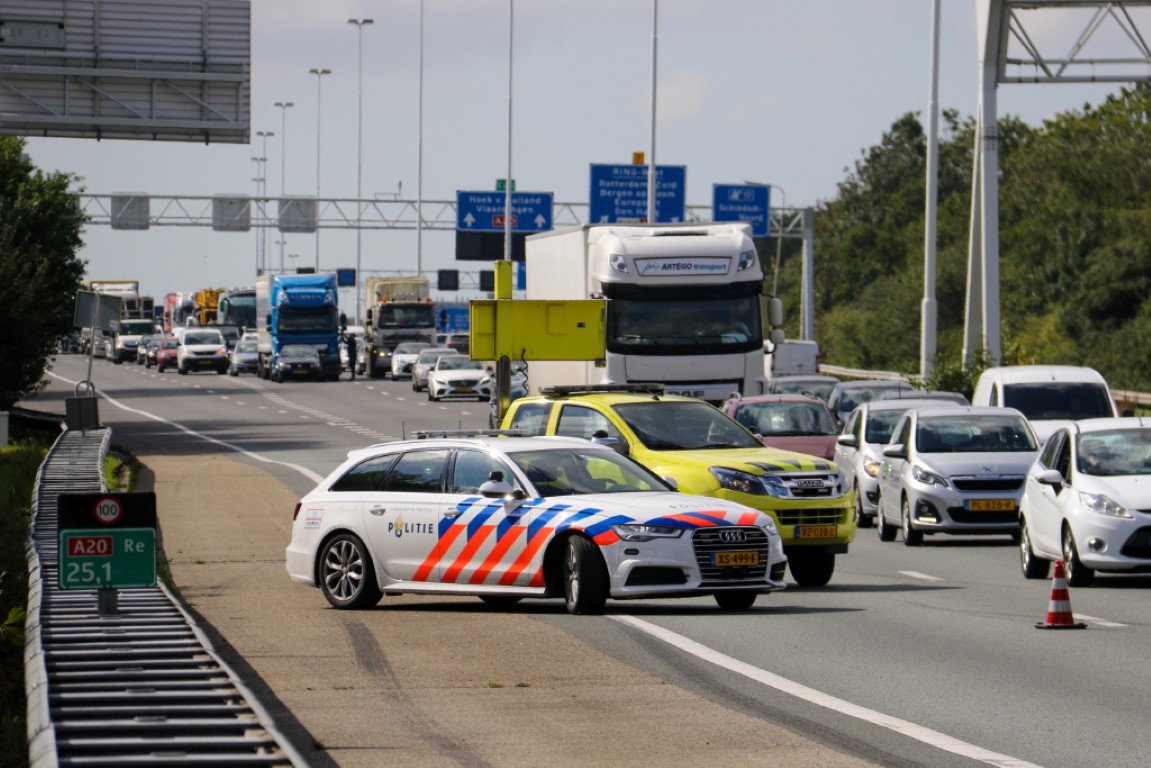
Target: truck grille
column 814, row 516
column 708, row 541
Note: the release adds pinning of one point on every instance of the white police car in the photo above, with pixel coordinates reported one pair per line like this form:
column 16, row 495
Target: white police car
column 505, row 517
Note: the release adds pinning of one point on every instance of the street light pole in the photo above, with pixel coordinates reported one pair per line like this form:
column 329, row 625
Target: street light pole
column 283, row 105
column 259, row 179
column 360, row 24
column 262, row 264
column 319, row 73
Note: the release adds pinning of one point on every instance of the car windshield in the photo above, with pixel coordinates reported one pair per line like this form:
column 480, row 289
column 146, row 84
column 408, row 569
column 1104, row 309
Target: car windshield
column 670, row 425
column 460, row 363
column 1115, row 452
column 1058, row 400
column 570, row 471
column 880, row 425
column 786, row 419
column 171, row 343
column 203, row 338
column 246, row 346
column 410, row 348
column 429, row 356
column 301, row 351
column 229, row 332
column 821, row 389
column 853, row 396
column 991, row 433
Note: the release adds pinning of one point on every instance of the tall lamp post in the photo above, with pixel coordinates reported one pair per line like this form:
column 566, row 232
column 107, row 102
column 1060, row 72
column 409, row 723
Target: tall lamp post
column 360, row 24
column 263, row 261
column 259, row 179
column 284, row 106
column 319, row 73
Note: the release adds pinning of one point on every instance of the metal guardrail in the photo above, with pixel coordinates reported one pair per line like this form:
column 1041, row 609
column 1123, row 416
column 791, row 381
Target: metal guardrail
column 142, row 686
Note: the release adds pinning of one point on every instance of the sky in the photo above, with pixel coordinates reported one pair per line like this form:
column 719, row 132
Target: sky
column 784, row 92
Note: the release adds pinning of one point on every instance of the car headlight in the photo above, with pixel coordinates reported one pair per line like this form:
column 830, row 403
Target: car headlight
column 221, row 353
column 1104, row 505
column 744, row 482
column 871, row 467
column 485, row 381
column 640, row 532
column 921, row 475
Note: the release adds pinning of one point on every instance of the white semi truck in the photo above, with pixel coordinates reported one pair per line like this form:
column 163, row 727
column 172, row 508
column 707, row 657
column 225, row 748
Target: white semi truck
column 683, row 305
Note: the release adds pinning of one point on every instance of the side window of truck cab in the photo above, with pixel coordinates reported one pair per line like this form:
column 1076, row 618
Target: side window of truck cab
column 531, row 418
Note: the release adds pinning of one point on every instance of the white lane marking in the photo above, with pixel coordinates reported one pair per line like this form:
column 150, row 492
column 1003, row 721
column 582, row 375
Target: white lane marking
column 918, row 575
column 1100, row 622
column 176, row 425
column 909, row 729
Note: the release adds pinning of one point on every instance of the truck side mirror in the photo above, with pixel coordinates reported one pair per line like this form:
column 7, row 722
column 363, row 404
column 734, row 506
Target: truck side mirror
column 268, row 320
column 343, row 321
column 775, row 312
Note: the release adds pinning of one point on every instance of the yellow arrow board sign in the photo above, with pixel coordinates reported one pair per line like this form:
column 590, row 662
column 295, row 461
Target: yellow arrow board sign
column 538, row 330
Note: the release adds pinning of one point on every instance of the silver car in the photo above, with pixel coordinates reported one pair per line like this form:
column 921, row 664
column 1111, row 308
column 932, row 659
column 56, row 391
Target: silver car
column 859, row 449
column 424, row 363
column 957, row 469
column 848, row 394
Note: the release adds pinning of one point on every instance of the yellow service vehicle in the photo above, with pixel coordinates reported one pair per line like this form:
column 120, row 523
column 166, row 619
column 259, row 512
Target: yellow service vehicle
column 705, row 452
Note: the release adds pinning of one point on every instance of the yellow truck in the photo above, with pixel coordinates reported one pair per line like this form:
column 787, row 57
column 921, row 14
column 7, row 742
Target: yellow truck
column 207, row 305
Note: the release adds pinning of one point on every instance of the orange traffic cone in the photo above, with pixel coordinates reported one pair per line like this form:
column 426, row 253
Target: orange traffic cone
column 1059, row 609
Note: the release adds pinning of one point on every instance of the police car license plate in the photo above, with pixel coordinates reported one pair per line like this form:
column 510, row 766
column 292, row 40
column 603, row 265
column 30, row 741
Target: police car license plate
column 734, row 558
column 816, row 531
column 990, row 505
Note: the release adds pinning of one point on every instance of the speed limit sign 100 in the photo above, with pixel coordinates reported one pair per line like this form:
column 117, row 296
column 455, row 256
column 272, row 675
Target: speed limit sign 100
column 108, row 510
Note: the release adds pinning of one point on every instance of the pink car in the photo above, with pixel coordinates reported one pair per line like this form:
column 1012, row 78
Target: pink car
column 791, row 422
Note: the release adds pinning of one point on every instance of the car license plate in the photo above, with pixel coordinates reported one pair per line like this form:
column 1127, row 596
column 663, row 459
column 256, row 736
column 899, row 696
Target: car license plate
column 816, row 531
column 990, row 505
column 735, row 558
column 466, row 390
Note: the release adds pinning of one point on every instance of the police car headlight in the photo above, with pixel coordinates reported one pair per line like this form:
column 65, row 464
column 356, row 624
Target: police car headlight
column 743, row 482
column 640, row 532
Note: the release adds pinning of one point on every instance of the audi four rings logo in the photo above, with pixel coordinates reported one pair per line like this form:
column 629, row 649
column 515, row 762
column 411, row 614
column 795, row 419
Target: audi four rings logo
column 732, row 537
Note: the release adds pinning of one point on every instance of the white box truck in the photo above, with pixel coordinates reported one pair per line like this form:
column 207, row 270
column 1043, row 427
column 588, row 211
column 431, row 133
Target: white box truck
column 683, row 305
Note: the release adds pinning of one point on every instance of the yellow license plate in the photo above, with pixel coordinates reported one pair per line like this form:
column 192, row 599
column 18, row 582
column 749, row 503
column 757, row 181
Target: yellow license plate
column 991, row 505
column 735, row 558
column 816, row 531
column 466, row 390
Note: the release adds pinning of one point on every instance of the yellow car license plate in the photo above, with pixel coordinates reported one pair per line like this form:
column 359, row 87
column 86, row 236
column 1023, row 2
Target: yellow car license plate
column 991, row 505
column 816, row 531
column 735, row 558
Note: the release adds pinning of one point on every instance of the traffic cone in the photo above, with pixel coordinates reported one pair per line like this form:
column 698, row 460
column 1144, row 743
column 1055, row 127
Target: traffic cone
column 1059, row 614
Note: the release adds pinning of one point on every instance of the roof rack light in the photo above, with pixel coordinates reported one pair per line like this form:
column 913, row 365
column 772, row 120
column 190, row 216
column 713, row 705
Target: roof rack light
column 653, row 388
column 424, row 434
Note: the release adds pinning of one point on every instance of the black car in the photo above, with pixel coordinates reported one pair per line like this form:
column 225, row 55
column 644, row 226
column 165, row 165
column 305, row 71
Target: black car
column 298, row 361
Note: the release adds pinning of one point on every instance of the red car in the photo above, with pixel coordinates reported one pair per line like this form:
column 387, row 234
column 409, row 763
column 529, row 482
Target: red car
column 791, row 422
column 166, row 353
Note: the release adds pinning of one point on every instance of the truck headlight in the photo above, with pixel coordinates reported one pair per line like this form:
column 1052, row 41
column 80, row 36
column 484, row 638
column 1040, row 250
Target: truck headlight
column 640, row 532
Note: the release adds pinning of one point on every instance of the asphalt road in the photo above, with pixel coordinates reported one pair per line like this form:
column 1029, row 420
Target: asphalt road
column 907, row 649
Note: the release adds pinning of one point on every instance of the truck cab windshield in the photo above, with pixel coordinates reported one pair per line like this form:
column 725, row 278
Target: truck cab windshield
column 683, row 326
column 320, row 320
column 417, row 316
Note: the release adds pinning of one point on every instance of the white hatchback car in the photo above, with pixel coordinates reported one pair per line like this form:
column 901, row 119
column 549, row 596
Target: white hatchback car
column 505, row 518
column 954, row 469
column 424, row 363
column 1088, row 501
column 859, row 449
column 404, row 356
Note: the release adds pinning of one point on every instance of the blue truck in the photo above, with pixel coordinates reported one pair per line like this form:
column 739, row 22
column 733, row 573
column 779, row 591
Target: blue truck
column 298, row 309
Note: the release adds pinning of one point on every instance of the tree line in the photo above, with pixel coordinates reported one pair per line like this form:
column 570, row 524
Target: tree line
column 1075, row 245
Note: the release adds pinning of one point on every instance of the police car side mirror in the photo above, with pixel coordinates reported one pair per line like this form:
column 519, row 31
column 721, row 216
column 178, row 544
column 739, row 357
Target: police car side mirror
column 496, row 489
column 672, row 482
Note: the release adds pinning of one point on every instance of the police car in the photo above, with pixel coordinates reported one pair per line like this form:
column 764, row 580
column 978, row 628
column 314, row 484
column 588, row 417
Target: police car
column 505, row 517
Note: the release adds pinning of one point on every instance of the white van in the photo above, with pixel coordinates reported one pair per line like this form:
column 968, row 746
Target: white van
column 791, row 358
column 1047, row 394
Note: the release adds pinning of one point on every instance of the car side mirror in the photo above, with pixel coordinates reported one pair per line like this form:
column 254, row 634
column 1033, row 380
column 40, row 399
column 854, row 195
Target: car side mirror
column 1050, row 477
column 848, row 441
column 895, row 451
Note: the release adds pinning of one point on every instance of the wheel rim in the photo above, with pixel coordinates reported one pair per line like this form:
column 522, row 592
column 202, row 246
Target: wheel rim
column 905, row 519
column 343, row 570
column 1025, row 548
column 572, row 574
column 1070, row 556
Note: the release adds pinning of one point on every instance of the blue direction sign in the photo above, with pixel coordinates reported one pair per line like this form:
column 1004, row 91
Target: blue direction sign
column 619, row 194
column 484, row 211
column 743, row 202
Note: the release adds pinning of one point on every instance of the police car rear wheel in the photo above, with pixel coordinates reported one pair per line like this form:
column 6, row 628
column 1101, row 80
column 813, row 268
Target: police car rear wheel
column 347, row 577
column 585, row 577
